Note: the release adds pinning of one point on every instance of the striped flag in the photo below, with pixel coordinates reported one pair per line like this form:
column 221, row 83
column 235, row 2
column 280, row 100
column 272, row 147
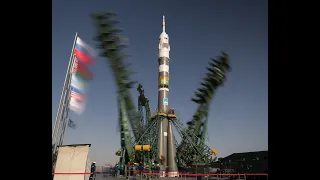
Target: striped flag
column 76, row 94
column 77, row 101
column 81, row 70
column 75, row 65
column 83, row 56
column 76, row 106
column 84, row 52
column 78, row 83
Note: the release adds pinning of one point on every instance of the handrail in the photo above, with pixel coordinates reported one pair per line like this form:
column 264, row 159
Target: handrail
column 72, row 173
column 147, row 172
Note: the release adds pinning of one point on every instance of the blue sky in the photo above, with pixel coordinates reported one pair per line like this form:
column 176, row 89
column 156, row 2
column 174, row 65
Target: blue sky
column 198, row 30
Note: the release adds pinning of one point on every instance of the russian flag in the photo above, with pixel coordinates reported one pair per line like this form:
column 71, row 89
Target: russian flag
column 84, row 52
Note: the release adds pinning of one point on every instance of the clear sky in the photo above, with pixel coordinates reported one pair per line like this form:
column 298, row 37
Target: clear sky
column 198, row 30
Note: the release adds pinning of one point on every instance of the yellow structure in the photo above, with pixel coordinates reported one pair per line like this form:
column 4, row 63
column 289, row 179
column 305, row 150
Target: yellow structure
column 214, row 152
column 172, row 116
column 163, row 114
column 138, row 147
column 146, row 147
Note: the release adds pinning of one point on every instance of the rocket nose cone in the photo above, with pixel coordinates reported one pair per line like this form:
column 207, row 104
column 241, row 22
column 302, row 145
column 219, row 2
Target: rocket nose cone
column 164, row 34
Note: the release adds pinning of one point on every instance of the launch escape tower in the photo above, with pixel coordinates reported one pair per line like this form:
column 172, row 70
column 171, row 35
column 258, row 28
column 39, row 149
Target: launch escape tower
column 151, row 140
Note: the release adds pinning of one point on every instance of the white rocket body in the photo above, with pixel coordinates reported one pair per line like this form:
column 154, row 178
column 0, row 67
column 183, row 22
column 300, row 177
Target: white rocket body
column 166, row 139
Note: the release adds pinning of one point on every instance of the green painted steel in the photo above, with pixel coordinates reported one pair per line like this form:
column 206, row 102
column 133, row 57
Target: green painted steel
column 217, row 70
column 110, row 46
column 145, row 130
column 143, row 103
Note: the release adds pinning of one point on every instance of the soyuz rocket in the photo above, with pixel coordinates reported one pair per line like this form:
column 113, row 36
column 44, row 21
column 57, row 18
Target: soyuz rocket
column 167, row 151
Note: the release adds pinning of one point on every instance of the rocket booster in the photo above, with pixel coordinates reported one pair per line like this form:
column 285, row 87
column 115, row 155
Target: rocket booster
column 166, row 138
column 163, row 84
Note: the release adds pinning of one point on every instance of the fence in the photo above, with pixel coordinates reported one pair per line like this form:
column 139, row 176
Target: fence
column 103, row 173
column 186, row 175
column 130, row 172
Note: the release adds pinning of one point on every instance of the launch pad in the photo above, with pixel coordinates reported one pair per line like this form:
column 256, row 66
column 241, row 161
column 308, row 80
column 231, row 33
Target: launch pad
column 152, row 143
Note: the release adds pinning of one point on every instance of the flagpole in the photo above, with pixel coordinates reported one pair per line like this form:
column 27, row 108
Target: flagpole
column 62, row 118
column 64, row 115
column 64, row 85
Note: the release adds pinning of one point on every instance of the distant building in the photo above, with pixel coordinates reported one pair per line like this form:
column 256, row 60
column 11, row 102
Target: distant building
column 246, row 162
